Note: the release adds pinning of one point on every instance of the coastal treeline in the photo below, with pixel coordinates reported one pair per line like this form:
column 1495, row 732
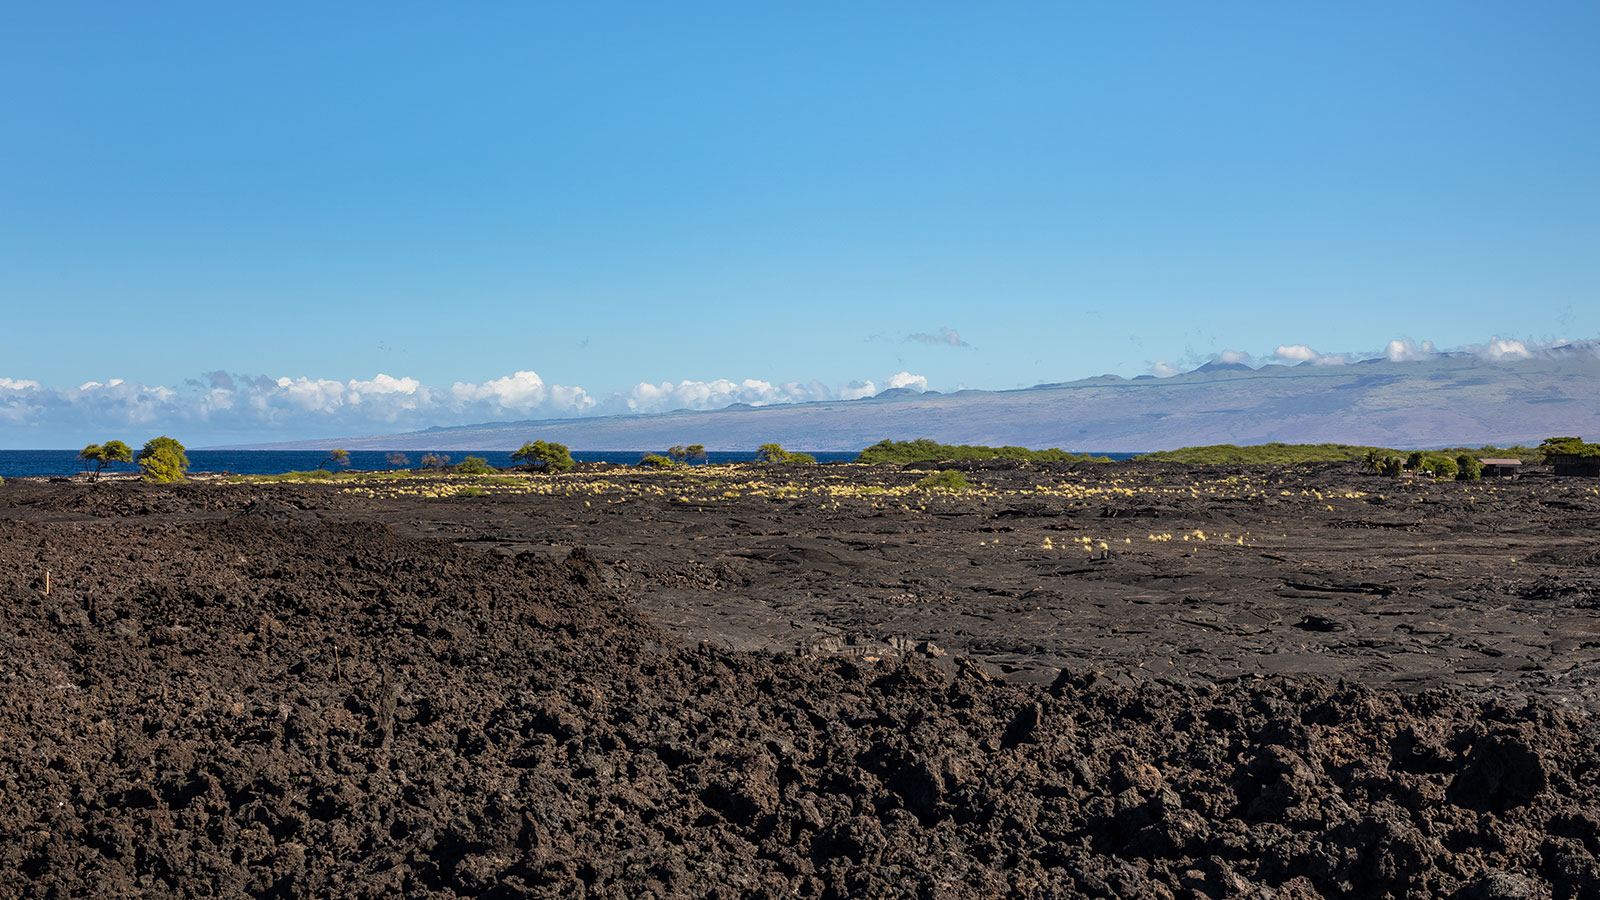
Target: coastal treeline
column 1290, row 454
column 923, row 450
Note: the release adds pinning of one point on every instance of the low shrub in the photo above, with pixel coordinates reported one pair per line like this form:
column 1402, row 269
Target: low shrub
column 773, row 453
column 944, row 480
column 474, row 465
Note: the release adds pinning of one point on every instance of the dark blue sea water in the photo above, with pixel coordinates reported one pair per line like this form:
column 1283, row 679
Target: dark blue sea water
column 18, row 463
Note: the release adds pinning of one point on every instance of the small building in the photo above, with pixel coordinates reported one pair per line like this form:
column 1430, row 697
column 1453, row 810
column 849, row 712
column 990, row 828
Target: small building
column 1501, row 468
column 1583, row 466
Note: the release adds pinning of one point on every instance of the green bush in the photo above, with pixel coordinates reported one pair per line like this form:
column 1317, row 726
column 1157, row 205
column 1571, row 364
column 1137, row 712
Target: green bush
column 1468, row 468
column 657, row 461
column 545, row 456
column 772, row 453
column 1393, row 466
column 944, row 480
column 1442, row 467
column 472, row 490
column 163, row 460
column 474, row 465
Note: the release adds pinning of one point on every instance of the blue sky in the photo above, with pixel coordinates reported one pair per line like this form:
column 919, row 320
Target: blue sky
column 550, row 209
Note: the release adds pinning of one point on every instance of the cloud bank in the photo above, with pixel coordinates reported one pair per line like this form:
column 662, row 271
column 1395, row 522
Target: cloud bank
column 1401, row 349
column 220, row 406
column 223, row 407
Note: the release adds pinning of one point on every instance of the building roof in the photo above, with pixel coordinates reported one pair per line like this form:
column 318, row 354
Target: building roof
column 1501, row 462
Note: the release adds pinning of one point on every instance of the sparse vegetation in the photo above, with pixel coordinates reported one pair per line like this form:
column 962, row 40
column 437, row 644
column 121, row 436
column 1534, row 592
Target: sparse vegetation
column 398, row 460
column 922, row 450
column 657, row 461
column 944, row 480
column 435, row 460
column 545, row 456
column 163, row 460
column 102, row 455
column 1372, row 458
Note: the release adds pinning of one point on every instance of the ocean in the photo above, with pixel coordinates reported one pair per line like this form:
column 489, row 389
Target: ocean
column 20, row 463
column 17, row 463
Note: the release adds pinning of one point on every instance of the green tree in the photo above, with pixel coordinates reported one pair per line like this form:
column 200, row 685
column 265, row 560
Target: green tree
column 339, row 457
column 773, row 453
column 1567, row 446
column 103, row 454
column 545, row 456
column 1373, row 461
column 1442, row 467
column 163, row 460
column 657, row 461
column 1468, row 468
column 689, row 454
column 1393, row 466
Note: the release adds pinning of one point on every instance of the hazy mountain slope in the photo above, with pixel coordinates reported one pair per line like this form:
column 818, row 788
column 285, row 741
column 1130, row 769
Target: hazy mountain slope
column 1445, row 401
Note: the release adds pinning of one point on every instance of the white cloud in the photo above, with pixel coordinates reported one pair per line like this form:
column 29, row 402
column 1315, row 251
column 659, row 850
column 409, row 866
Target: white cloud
column 916, row 383
column 1163, row 369
column 1298, row 353
column 1500, row 349
column 1233, row 356
column 715, row 394
column 1406, row 350
column 1295, row 353
column 855, row 390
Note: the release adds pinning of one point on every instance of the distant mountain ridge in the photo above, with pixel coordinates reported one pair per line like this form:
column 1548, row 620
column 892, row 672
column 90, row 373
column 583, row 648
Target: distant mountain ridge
column 1444, row 401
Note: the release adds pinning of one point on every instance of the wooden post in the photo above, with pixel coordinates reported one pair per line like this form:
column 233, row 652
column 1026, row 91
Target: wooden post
column 47, row 582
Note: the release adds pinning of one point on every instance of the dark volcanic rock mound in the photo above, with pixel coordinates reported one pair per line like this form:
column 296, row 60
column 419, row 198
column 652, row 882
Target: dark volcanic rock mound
column 269, row 706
